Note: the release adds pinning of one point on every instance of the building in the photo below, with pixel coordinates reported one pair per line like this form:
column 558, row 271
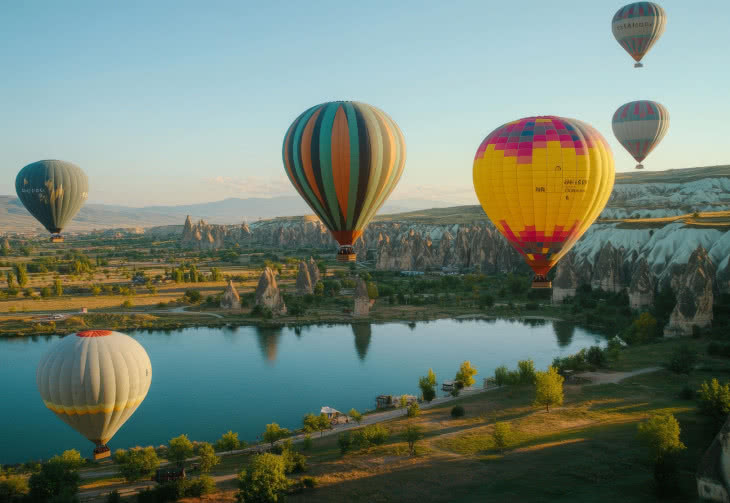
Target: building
column 329, row 412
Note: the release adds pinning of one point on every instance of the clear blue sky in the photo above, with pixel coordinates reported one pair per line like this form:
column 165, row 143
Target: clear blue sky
column 172, row 102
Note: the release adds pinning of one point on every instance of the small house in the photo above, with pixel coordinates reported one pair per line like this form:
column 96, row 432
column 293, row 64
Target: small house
column 329, row 412
column 448, row 386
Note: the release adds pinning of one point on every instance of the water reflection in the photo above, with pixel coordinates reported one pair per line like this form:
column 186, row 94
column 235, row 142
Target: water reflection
column 363, row 332
column 535, row 322
column 564, row 331
column 268, row 339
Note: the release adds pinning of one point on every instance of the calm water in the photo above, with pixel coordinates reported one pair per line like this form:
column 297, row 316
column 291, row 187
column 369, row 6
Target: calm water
column 207, row 381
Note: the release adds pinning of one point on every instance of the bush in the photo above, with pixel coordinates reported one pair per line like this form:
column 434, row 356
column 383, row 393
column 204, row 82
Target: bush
column 527, row 371
column 200, row 486
column 501, row 375
column 502, row 435
column 372, row 434
column 127, row 304
column 413, row 410
column 457, row 411
column 309, row 482
column 715, row 399
column 192, row 296
column 682, row 361
column 344, row 441
column 596, row 356
column 264, row 480
column 294, row 462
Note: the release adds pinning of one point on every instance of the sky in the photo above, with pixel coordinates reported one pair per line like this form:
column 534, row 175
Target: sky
column 178, row 102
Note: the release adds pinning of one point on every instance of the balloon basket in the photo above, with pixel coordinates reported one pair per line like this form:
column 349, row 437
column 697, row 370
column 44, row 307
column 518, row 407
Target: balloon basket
column 639, row 166
column 541, row 282
column 638, row 65
column 346, row 254
column 56, row 239
column 102, row 452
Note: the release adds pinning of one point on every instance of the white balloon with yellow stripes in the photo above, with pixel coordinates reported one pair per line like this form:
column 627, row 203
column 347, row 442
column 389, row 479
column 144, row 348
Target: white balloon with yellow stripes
column 94, row 381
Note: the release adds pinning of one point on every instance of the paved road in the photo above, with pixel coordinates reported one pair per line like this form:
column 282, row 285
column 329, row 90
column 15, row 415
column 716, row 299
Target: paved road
column 176, row 310
column 615, row 377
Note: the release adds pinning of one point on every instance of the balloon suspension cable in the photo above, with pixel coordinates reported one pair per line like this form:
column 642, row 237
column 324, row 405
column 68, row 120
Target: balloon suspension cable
column 639, row 166
column 541, row 281
column 56, row 238
column 638, row 65
column 346, row 253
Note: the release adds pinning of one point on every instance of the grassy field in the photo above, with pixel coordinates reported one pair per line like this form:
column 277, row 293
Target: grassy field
column 585, row 450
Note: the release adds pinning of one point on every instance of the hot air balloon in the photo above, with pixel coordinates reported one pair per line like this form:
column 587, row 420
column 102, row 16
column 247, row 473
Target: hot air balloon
column 640, row 126
column 637, row 26
column 344, row 158
column 94, row 381
column 53, row 192
column 542, row 181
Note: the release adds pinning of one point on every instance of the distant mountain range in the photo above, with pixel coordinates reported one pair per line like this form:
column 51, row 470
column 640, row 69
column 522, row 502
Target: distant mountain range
column 14, row 217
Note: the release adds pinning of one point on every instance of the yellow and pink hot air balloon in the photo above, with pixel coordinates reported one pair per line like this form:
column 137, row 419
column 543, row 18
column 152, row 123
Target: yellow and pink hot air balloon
column 640, row 126
column 542, row 181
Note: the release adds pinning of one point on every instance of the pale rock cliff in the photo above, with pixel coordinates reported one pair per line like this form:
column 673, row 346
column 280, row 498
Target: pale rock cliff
column 695, row 296
column 268, row 294
column 304, row 284
column 230, row 298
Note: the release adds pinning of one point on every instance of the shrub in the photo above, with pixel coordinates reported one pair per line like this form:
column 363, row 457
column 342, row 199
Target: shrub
column 309, row 482
column 344, row 441
column 527, row 371
column 501, row 375
column 596, row 356
column 264, row 480
column 502, row 435
column 372, row 434
column 715, row 399
column 682, row 361
column 660, row 433
column 200, row 486
column 457, row 411
column 294, row 462
column 192, row 296
column 127, row 304
column 413, row 410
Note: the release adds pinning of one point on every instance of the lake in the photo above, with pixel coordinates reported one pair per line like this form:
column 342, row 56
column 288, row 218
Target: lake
column 206, row 381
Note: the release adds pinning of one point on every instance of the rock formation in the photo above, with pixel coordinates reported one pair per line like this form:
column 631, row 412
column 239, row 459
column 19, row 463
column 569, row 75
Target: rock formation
column 694, row 295
column 362, row 299
column 314, row 275
column 268, row 294
column 566, row 279
column 641, row 289
column 304, row 282
column 230, row 298
column 6, row 246
column 608, row 271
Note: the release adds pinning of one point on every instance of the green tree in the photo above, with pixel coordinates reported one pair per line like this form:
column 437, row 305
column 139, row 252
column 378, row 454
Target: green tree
column 178, row 276
column 136, row 464
column 179, row 449
column 208, row 458
column 715, row 399
column 527, row 371
column 501, row 435
column 71, row 458
column 427, row 384
column 55, row 480
column 643, row 328
column 310, row 422
column 660, row 433
column 501, row 375
column 216, row 274
column 46, row 292
column 274, row 432
column 413, row 410
column 228, row 442
column 548, row 388
column 323, row 423
column 57, row 287
column 10, row 278
column 465, row 376
column 21, row 274
column 412, row 434
column 372, row 290
column 319, row 288
column 264, row 480
column 403, row 402
column 354, row 414
column 193, row 273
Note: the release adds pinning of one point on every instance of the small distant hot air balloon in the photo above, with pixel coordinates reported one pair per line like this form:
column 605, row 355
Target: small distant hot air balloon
column 542, row 181
column 94, row 381
column 637, row 26
column 344, row 158
column 53, row 192
column 640, row 126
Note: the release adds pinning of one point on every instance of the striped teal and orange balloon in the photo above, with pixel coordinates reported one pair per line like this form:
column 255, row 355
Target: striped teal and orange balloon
column 637, row 26
column 344, row 158
column 640, row 126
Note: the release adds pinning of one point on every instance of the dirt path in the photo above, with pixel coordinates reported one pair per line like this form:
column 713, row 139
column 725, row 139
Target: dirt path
column 614, row 377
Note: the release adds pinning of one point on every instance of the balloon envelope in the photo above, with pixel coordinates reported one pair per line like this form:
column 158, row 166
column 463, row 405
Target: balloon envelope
column 640, row 126
column 542, row 181
column 344, row 158
column 94, row 381
column 52, row 191
column 637, row 27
